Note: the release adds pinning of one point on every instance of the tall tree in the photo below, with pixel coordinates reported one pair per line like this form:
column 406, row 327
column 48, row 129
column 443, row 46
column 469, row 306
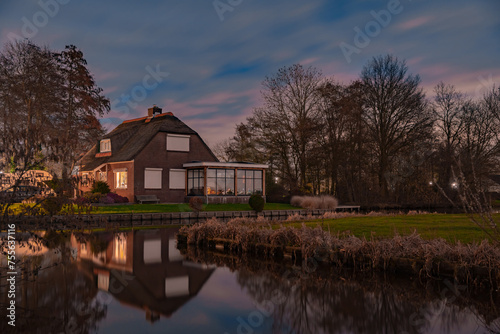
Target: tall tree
column 395, row 111
column 49, row 104
column 82, row 102
column 448, row 109
column 288, row 122
column 29, row 102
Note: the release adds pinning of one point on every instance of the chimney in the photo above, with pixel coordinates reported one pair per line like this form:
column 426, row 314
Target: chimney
column 153, row 111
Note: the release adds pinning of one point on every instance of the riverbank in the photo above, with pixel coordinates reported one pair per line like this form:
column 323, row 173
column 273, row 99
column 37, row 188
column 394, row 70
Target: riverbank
column 474, row 263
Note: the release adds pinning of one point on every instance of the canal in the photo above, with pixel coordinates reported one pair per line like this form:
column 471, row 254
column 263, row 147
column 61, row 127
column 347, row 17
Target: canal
column 139, row 282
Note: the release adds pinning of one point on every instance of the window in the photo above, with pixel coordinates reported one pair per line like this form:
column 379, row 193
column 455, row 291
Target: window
column 103, row 176
column 177, row 286
column 173, row 253
column 196, row 182
column 177, row 179
column 152, row 251
column 103, row 281
column 177, row 143
column 105, row 145
column 120, row 249
column 120, row 178
column 249, row 182
column 220, row 182
column 152, row 178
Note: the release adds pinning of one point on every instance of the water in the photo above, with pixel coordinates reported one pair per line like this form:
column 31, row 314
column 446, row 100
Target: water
column 139, row 282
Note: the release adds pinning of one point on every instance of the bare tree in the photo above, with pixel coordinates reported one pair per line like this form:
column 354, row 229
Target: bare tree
column 288, row 122
column 49, row 105
column 395, row 111
column 28, row 102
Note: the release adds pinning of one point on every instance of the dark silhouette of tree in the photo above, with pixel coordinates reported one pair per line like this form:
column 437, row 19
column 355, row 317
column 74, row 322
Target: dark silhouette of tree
column 49, row 105
column 288, row 122
column 82, row 102
column 394, row 110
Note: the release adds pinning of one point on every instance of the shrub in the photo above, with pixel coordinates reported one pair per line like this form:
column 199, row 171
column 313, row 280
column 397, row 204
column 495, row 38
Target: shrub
column 92, row 198
column 257, row 202
column 53, row 205
column 117, row 198
column 318, row 202
column 106, row 200
column 196, row 204
column 296, row 201
column 100, row 187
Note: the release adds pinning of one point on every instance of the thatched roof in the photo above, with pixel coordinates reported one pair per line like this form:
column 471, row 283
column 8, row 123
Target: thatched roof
column 130, row 137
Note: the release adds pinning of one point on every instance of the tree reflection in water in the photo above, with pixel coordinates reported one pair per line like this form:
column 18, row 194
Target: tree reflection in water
column 320, row 300
column 52, row 295
column 66, row 282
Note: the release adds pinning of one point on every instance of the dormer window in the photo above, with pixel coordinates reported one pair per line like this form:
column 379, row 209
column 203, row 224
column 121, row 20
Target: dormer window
column 105, row 145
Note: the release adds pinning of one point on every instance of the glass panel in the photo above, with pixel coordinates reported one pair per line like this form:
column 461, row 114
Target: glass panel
column 241, row 186
column 229, row 173
column 249, row 187
column 241, row 173
column 249, row 174
column 257, row 174
column 221, row 173
column 258, row 186
column 121, row 180
column 210, row 172
column 229, row 186
column 221, row 184
column 190, row 185
column 190, row 173
column 211, row 186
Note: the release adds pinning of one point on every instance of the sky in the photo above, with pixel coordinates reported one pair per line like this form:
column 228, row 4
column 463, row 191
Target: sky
column 205, row 61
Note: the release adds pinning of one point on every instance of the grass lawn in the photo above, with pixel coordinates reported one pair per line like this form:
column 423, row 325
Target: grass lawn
column 184, row 207
column 451, row 227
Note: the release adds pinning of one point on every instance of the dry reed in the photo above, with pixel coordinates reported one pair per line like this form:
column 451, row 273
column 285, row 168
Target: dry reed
column 472, row 262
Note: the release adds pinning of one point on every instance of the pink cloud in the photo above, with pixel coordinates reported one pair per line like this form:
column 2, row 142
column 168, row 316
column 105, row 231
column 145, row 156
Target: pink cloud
column 415, row 23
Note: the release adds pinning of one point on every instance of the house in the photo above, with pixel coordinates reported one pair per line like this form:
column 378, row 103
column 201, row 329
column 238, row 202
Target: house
column 159, row 155
column 142, row 269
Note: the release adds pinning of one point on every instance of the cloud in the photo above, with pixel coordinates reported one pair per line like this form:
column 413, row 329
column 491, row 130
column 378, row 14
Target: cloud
column 415, row 23
column 216, row 68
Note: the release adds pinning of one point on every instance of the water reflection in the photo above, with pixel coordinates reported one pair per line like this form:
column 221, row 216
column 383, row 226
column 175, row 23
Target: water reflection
column 142, row 269
column 139, row 281
column 310, row 299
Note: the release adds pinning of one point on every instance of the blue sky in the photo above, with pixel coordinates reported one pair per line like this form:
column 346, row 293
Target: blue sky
column 216, row 59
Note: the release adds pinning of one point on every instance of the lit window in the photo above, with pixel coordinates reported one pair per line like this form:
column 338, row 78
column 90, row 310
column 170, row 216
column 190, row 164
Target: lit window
column 120, row 249
column 105, row 145
column 121, row 179
column 195, row 182
column 249, row 182
column 220, row 182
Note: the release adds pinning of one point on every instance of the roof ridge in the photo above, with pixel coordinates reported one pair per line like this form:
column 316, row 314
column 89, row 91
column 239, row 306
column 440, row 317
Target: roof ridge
column 146, row 117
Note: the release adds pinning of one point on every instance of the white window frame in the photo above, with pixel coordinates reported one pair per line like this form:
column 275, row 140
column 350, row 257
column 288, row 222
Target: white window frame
column 153, row 185
column 105, row 145
column 173, row 179
column 174, row 143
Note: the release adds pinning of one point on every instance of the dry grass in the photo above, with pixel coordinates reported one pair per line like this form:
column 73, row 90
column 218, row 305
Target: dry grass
column 400, row 253
column 315, row 202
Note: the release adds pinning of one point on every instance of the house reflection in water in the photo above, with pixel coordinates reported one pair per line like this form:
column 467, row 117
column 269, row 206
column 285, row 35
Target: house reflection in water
column 143, row 269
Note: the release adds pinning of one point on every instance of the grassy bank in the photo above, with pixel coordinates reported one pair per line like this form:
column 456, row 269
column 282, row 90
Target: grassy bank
column 451, row 227
column 184, row 207
column 472, row 264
